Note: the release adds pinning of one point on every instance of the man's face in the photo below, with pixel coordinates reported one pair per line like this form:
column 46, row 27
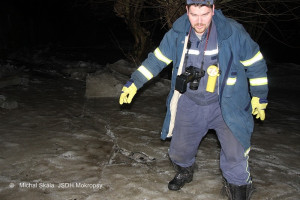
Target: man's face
column 200, row 17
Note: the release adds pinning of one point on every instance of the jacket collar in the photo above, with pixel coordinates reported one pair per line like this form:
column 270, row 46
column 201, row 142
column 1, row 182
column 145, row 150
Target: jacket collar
column 223, row 28
column 182, row 25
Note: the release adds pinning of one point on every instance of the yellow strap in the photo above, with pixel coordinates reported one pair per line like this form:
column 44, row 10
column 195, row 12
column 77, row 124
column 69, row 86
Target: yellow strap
column 145, row 72
column 258, row 81
column 246, row 153
column 253, row 60
column 161, row 57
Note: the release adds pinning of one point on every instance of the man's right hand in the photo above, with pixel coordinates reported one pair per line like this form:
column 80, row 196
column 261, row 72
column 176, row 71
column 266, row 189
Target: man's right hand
column 128, row 92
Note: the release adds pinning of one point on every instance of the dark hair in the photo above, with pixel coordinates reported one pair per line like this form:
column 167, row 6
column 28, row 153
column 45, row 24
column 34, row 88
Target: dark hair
column 199, row 5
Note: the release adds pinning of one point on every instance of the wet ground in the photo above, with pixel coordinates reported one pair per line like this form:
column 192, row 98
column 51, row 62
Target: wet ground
column 59, row 145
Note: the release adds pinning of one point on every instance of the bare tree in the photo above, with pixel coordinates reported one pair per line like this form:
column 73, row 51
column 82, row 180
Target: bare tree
column 262, row 16
column 131, row 11
column 258, row 17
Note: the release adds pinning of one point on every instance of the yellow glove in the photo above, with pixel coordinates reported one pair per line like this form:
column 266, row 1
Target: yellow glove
column 128, row 92
column 258, row 107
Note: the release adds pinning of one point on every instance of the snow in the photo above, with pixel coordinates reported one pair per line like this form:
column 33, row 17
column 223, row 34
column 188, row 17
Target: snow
column 60, row 143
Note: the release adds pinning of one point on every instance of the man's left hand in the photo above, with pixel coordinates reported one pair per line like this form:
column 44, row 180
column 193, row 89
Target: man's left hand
column 258, row 107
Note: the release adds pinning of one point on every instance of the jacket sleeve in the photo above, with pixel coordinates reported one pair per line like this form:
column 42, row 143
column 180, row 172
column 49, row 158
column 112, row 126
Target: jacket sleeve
column 254, row 63
column 156, row 60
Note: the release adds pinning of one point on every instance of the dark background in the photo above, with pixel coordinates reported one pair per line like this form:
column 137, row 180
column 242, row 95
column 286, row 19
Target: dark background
column 77, row 30
column 62, row 28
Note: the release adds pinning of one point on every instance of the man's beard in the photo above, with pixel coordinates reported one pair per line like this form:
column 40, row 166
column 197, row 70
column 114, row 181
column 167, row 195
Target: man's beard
column 200, row 29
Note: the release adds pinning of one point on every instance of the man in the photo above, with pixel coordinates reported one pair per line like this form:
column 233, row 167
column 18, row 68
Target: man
column 213, row 59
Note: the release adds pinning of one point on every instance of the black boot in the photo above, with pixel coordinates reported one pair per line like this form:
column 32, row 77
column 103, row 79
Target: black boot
column 183, row 175
column 236, row 192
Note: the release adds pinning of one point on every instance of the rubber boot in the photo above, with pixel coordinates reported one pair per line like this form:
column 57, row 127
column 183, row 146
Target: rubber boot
column 238, row 192
column 183, row 175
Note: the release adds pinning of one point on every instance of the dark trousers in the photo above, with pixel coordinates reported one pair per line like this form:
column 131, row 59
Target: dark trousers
column 191, row 125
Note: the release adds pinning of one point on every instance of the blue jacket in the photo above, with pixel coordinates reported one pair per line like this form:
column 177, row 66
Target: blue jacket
column 243, row 73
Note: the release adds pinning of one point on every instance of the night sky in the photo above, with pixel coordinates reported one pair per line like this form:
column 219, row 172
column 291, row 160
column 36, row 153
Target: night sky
column 75, row 24
column 35, row 22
